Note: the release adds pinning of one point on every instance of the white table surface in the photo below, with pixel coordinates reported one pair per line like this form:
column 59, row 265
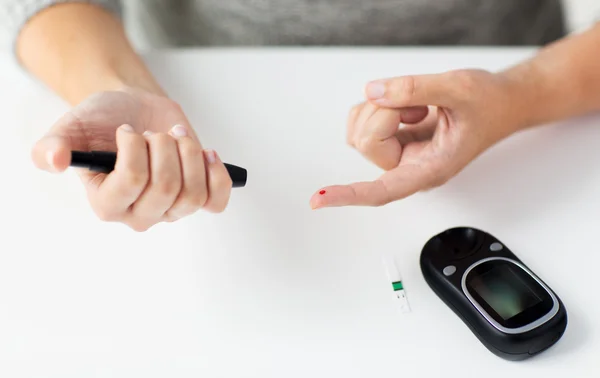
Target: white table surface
column 271, row 288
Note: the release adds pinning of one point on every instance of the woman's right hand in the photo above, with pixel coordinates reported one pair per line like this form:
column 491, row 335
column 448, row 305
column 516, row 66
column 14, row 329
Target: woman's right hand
column 423, row 130
column 162, row 172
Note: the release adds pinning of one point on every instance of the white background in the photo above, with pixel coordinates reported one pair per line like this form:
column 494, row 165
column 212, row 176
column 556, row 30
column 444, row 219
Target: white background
column 581, row 13
column 271, row 288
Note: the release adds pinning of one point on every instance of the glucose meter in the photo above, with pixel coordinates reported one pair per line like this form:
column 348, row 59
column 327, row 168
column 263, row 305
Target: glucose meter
column 503, row 302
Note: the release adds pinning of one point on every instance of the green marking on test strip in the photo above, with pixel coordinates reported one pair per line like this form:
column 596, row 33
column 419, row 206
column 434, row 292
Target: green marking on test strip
column 397, row 285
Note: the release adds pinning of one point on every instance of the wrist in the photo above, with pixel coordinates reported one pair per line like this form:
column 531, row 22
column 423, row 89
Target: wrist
column 133, row 74
column 103, row 78
column 561, row 81
column 524, row 95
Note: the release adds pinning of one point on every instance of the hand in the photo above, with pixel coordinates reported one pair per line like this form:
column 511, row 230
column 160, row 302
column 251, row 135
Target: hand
column 422, row 130
column 162, row 172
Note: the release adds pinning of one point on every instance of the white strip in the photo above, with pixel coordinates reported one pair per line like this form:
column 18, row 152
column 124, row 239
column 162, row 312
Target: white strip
column 394, row 275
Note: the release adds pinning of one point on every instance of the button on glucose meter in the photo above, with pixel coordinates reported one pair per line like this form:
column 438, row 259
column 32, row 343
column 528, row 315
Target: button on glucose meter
column 449, row 270
column 495, row 247
column 508, row 307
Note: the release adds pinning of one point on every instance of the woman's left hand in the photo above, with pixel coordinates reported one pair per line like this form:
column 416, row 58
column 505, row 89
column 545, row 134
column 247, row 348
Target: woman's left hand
column 423, row 130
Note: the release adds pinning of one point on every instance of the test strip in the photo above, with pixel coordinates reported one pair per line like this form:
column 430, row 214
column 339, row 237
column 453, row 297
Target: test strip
column 397, row 285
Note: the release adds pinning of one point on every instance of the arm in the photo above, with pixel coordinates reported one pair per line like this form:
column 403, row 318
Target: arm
column 78, row 49
column 162, row 172
column 561, row 81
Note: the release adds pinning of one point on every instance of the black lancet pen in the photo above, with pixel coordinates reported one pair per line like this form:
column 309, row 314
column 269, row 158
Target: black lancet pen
column 104, row 161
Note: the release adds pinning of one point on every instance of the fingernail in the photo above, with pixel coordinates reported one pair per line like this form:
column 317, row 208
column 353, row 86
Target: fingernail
column 211, row 156
column 127, row 128
column 375, row 90
column 50, row 158
column 147, row 133
column 178, row 131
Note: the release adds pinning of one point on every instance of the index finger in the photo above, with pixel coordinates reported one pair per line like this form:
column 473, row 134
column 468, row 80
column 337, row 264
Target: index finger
column 394, row 185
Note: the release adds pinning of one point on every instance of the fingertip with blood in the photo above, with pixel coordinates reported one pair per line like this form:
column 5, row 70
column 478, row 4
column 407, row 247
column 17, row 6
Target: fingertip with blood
column 318, row 199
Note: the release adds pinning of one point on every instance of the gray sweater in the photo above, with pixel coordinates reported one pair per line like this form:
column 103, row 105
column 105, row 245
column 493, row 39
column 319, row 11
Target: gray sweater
column 160, row 23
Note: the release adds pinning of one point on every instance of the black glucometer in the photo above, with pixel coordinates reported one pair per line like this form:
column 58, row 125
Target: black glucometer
column 507, row 306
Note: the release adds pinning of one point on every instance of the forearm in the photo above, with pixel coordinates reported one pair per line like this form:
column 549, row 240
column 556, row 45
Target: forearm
column 78, row 49
column 561, row 81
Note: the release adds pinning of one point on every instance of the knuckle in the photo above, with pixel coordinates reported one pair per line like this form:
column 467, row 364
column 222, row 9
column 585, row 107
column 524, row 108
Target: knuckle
column 438, row 177
column 135, row 178
column 354, row 111
column 131, row 142
column 465, row 80
column 351, row 124
column 219, row 208
column 139, row 226
column 403, row 88
column 160, row 139
column 191, row 200
column 171, row 218
column 167, row 186
column 166, row 182
column 381, row 202
column 106, row 215
column 365, row 145
column 197, row 200
column 221, row 182
column 350, row 139
column 190, row 149
column 175, row 106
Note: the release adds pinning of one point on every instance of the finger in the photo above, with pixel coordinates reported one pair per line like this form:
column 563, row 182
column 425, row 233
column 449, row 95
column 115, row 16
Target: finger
column 194, row 193
column 219, row 183
column 393, row 185
column 413, row 114
column 384, row 123
column 351, row 122
column 420, row 131
column 52, row 153
column 165, row 180
column 366, row 111
column 408, row 91
column 441, row 136
column 376, row 139
column 111, row 195
column 356, row 194
column 429, row 120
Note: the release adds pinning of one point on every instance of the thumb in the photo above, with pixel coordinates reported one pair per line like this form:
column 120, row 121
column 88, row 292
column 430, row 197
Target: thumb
column 52, row 153
column 411, row 91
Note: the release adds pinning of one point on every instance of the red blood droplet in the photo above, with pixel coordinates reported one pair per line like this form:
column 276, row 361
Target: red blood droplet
column 322, row 192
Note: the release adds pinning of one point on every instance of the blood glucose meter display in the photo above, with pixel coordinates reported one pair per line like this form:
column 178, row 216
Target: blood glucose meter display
column 510, row 295
column 505, row 292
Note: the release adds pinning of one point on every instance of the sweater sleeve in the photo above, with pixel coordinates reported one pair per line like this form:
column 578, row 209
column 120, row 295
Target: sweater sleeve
column 15, row 13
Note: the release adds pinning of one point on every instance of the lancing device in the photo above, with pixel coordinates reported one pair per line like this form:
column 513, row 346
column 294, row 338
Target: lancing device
column 397, row 284
column 104, row 161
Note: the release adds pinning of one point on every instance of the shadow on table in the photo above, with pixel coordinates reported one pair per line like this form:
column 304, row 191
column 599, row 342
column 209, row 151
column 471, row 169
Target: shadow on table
column 575, row 338
column 535, row 175
column 540, row 169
